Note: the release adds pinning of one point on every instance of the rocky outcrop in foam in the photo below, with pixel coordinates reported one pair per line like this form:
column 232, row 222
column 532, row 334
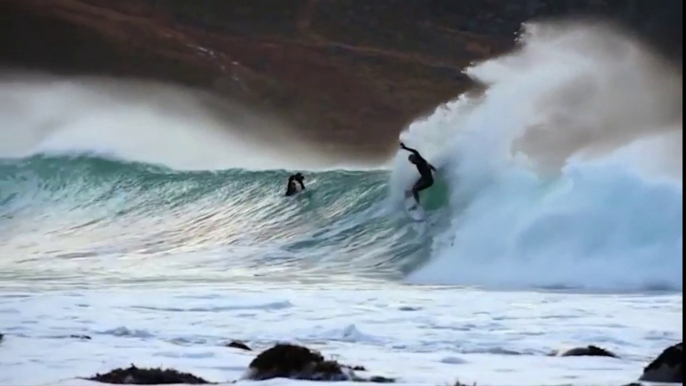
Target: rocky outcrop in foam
column 667, row 367
column 135, row 376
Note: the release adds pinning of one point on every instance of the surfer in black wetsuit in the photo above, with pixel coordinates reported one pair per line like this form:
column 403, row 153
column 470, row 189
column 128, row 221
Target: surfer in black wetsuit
column 292, row 187
column 426, row 179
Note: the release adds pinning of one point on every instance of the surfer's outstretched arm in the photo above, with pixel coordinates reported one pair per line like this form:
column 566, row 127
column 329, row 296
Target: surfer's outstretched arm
column 413, row 151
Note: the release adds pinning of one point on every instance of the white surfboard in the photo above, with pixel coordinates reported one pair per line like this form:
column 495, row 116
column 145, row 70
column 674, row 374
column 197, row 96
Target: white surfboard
column 413, row 209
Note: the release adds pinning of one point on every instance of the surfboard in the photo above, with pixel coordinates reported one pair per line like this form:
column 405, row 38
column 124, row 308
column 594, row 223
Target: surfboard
column 413, row 209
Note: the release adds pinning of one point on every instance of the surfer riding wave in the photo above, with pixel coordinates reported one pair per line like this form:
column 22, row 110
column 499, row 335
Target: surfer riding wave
column 426, row 179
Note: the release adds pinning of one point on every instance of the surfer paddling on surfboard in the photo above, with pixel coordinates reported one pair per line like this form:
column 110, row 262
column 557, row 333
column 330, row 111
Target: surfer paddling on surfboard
column 426, row 179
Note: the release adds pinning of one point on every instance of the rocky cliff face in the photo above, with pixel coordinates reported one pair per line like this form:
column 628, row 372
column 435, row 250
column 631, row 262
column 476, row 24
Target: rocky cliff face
column 350, row 71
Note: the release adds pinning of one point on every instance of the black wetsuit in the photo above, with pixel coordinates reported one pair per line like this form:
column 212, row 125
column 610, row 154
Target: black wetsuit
column 291, row 188
column 426, row 179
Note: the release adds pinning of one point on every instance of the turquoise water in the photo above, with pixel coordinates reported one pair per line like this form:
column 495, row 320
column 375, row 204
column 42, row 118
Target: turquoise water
column 88, row 213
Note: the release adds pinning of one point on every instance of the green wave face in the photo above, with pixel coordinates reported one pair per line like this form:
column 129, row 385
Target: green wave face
column 60, row 216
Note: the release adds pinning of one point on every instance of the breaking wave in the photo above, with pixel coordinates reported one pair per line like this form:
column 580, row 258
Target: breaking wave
column 564, row 173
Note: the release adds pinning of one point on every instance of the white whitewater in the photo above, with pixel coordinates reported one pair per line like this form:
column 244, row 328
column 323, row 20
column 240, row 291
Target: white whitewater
column 566, row 173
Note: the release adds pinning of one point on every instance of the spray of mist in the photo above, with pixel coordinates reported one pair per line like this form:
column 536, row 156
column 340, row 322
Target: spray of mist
column 564, row 172
column 615, row 93
column 147, row 122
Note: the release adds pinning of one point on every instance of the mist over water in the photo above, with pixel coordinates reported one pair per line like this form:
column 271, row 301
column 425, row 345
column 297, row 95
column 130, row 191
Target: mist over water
column 607, row 91
column 142, row 121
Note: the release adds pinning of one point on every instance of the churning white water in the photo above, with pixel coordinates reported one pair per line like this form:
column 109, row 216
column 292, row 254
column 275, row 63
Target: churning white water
column 565, row 173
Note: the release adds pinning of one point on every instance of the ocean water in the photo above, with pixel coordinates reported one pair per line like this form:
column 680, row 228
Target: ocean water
column 163, row 234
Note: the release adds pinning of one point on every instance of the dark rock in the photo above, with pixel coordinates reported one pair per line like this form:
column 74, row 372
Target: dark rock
column 238, row 345
column 359, row 368
column 136, row 376
column 667, row 367
column 590, row 351
column 295, row 362
column 379, row 379
column 298, row 362
column 81, row 337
